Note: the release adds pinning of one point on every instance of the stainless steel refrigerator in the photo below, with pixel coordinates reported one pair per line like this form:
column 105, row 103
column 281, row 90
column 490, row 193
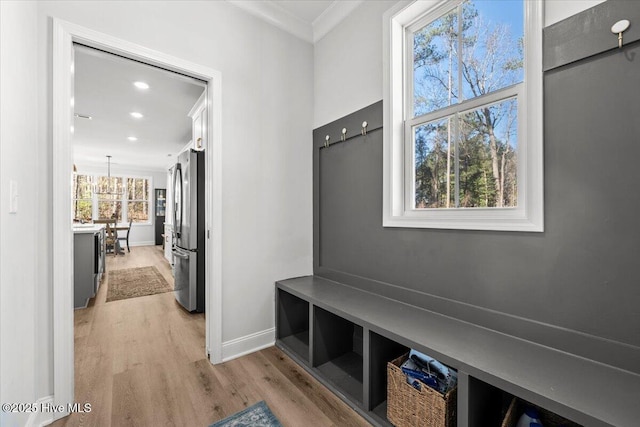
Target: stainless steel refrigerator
column 189, row 230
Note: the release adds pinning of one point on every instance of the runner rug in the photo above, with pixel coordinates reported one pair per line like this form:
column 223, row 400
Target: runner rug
column 258, row 415
column 135, row 282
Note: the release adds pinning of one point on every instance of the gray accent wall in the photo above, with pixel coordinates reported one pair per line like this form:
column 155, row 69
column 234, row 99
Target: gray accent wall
column 573, row 287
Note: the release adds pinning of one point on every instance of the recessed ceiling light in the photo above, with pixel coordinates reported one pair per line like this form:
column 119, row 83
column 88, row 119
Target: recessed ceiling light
column 141, row 85
column 132, row 138
column 137, row 115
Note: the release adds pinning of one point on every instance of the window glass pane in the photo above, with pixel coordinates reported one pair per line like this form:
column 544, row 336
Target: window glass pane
column 110, row 209
column 130, row 188
column 82, row 187
column 105, row 185
column 137, row 189
column 82, row 210
column 138, row 211
column 434, row 165
column 488, row 156
column 492, row 46
column 435, row 65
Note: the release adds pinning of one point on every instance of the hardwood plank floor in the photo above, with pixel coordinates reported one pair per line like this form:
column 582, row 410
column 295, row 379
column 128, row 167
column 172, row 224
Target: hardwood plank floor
column 141, row 362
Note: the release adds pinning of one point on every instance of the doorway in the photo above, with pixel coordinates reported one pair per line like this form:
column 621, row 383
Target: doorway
column 64, row 35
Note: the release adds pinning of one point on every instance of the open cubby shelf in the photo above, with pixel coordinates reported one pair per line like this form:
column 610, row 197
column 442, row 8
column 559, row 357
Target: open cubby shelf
column 337, row 352
column 345, row 337
column 293, row 324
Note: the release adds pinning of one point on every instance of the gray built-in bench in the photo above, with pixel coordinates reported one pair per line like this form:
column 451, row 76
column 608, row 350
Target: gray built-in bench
column 345, row 336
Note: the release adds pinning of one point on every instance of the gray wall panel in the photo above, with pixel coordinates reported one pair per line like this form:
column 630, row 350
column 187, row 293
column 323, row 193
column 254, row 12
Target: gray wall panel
column 589, row 33
column 573, row 287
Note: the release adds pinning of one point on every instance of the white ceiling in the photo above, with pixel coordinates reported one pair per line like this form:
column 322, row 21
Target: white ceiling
column 104, row 90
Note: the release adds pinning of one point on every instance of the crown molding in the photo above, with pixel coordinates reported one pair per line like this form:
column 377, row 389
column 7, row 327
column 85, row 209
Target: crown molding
column 277, row 16
column 332, row 16
column 308, row 31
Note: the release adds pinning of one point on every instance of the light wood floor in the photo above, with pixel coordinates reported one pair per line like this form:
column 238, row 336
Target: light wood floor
column 141, row 362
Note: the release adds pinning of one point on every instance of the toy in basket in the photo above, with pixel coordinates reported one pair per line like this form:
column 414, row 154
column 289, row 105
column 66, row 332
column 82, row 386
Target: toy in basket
column 421, row 368
column 421, row 391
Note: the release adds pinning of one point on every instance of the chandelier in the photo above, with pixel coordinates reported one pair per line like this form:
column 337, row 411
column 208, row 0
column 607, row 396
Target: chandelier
column 109, row 186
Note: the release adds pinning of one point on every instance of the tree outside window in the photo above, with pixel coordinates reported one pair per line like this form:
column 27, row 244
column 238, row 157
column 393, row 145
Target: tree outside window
column 91, row 201
column 138, row 199
column 82, row 198
column 465, row 151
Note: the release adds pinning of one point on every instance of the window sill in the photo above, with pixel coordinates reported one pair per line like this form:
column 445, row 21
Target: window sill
column 493, row 219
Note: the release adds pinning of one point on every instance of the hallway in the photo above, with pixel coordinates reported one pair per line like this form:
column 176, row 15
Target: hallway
column 141, row 361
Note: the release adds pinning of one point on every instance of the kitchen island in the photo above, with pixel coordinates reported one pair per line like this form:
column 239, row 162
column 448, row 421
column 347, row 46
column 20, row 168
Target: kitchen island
column 88, row 261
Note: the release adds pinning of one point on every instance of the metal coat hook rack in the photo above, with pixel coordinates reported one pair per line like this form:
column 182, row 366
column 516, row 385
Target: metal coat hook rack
column 343, row 135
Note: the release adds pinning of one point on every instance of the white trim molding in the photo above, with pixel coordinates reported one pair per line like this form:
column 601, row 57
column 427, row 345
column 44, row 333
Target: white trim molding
column 42, row 418
column 311, row 32
column 275, row 15
column 248, row 344
column 332, row 16
column 529, row 212
column 64, row 35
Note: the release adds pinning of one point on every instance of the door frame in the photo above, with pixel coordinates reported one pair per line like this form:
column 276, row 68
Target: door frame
column 64, row 35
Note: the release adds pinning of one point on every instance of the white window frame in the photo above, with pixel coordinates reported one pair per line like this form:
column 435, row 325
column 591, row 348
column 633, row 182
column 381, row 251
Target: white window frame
column 150, row 208
column 92, row 199
column 95, row 200
column 96, row 197
column 528, row 215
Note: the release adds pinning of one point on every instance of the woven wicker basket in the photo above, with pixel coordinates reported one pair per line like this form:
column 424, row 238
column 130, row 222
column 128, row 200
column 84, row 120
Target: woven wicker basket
column 408, row 407
column 548, row 419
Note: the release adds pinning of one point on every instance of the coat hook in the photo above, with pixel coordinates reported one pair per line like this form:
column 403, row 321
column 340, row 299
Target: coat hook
column 619, row 28
column 326, row 141
column 364, row 127
column 344, row 134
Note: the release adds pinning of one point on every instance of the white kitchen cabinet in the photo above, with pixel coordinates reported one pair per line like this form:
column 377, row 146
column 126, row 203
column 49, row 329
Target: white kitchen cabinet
column 198, row 116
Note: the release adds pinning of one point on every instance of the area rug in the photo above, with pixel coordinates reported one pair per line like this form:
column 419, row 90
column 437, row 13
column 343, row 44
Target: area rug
column 258, row 415
column 135, row 282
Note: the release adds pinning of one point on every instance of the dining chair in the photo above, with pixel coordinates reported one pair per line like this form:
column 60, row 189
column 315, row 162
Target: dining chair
column 111, row 240
column 126, row 238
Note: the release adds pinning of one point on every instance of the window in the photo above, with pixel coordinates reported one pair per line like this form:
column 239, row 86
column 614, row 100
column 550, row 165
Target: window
column 138, row 199
column 109, row 205
column 82, row 198
column 133, row 204
column 463, row 115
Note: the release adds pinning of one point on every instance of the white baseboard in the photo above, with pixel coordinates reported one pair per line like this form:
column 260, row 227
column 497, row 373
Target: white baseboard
column 248, row 344
column 40, row 419
column 132, row 244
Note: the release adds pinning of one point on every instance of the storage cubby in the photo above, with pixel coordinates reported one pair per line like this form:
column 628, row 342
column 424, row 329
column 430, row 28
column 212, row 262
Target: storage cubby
column 491, row 406
column 381, row 351
column 337, row 352
column 293, row 323
column 488, row 405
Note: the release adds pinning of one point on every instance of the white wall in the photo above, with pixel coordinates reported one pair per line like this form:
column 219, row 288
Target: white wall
column 267, row 100
column 141, row 234
column 18, row 232
column 348, row 60
column 557, row 10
